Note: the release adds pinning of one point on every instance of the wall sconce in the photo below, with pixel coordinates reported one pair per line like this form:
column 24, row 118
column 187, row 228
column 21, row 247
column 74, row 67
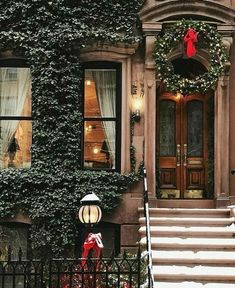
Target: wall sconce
column 137, row 93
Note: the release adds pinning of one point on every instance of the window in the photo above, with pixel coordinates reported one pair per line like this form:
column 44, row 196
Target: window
column 15, row 114
column 16, row 236
column 102, row 85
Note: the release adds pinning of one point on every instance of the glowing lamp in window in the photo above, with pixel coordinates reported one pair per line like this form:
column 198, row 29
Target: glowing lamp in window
column 90, row 213
column 95, row 150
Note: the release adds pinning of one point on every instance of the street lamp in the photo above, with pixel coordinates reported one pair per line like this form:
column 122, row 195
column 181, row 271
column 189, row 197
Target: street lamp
column 90, row 213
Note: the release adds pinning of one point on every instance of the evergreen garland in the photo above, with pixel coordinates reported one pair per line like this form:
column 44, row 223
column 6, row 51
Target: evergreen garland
column 208, row 38
column 47, row 34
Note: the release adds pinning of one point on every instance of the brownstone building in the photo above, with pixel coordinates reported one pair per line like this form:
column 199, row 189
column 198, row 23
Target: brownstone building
column 187, row 142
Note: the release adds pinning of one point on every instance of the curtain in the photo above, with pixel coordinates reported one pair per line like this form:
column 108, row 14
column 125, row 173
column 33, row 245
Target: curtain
column 105, row 82
column 14, row 87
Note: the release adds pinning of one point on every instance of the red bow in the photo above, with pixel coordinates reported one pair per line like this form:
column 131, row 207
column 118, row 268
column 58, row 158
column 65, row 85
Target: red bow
column 190, row 38
column 93, row 241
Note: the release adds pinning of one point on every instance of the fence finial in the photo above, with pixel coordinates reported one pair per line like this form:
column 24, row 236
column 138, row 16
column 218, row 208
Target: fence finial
column 20, row 253
column 9, row 253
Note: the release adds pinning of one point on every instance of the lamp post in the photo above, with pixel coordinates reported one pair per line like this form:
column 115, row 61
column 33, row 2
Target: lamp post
column 89, row 212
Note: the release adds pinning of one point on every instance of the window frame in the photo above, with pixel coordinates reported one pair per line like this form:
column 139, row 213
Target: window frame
column 104, row 65
column 15, row 63
column 20, row 225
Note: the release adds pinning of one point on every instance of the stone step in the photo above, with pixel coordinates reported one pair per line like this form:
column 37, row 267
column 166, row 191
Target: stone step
column 181, row 212
column 191, row 284
column 188, row 222
column 191, row 247
column 191, row 243
column 195, row 273
column 171, row 231
column 193, row 257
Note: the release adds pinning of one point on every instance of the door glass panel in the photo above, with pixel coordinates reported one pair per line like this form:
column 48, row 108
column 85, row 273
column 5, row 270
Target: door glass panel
column 195, row 128
column 167, row 128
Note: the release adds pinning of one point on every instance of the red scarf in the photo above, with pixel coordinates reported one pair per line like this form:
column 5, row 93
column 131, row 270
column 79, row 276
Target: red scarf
column 94, row 242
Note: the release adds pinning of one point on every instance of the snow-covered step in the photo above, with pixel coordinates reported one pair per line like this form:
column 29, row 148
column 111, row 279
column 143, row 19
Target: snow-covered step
column 191, row 247
column 191, row 284
column 180, row 212
column 197, row 272
column 186, row 221
column 192, row 243
column 195, row 231
column 193, row 257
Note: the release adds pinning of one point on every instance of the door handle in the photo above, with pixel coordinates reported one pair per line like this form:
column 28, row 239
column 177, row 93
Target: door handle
column 178, row 155
column 185, row 154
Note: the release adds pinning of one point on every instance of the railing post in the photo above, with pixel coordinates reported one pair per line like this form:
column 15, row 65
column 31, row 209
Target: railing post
column 148, row 236
column 139, row 265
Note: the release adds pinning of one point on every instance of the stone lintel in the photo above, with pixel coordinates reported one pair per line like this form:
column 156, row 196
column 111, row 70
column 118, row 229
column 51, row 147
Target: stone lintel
column 119, row 48
column 226, row 29
column 151, row 28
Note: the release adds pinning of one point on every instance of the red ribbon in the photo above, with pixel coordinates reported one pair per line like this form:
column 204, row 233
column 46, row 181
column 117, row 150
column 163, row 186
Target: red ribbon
column 93, row 242
column 190, row 38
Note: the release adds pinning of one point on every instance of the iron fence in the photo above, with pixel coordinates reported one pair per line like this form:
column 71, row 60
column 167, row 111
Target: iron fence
column 112, row 272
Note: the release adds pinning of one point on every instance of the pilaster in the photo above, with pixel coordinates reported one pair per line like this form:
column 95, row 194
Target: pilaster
column 150, row 106
column 222, row 142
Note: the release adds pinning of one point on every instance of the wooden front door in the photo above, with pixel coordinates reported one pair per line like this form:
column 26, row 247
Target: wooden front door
column 182, row 146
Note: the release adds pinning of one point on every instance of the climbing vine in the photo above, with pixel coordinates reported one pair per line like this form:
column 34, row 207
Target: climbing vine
column 49, row 35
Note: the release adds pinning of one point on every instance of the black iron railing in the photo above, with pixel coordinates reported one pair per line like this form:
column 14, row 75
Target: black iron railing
column 120, row 272
column 148, row 236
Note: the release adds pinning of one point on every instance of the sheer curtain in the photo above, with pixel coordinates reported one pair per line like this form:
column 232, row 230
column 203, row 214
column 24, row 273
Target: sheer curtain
column 14, row 87
column 105, row 82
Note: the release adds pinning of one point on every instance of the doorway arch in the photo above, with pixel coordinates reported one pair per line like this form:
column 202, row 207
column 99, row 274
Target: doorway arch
column 153, row 17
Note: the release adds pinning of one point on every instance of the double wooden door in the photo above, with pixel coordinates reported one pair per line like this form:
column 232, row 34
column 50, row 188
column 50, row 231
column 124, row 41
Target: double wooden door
column 182, row 146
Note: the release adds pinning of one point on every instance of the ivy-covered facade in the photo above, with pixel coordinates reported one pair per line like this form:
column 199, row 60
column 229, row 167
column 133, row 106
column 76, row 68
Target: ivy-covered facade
column 104, row 81
column 47, row 37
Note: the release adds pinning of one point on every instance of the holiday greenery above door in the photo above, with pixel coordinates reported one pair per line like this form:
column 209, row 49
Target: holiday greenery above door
column 207, row 38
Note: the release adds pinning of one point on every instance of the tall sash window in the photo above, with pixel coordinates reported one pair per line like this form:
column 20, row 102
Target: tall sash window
column 15, row 116
column 101, row 116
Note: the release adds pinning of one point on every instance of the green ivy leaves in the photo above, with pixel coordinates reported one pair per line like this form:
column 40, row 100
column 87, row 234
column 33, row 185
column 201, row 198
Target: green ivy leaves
column 45, row 33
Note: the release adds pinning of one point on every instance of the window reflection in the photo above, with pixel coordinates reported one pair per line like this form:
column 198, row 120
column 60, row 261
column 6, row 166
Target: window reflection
column 98, row 152
column 16, row 148
column 195, row 128
column 100, row 118
column 167, row 128
column 15, row 113
column 100, row 93
column 16, row 236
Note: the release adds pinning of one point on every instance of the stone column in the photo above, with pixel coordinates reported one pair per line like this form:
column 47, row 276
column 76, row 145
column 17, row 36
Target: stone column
column 150, row 31
column 222, row 142
column 222, row 96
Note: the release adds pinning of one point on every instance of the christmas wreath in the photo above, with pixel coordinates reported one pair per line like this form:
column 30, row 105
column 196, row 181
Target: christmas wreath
column 190, row 32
